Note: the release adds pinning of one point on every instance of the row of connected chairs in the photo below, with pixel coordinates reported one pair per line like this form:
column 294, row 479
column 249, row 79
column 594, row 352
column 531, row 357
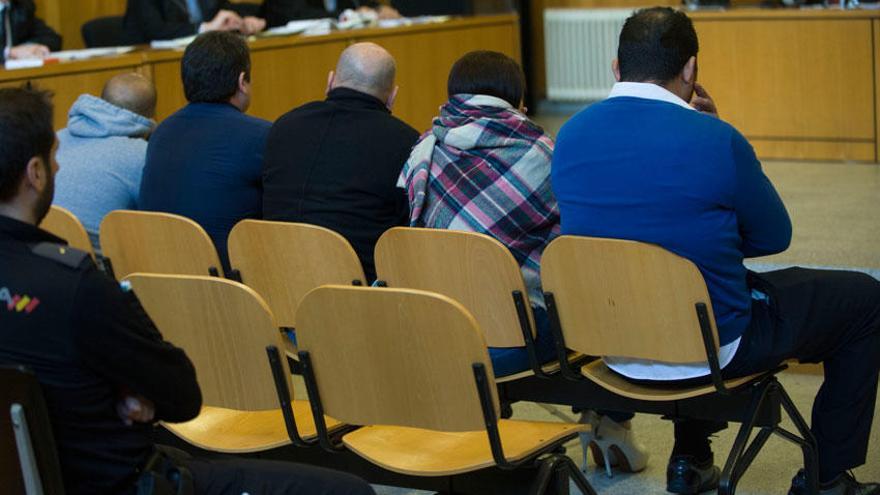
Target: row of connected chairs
column 604, row 297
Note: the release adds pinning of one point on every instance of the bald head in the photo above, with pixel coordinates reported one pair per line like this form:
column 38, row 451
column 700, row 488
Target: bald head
column 368, row 68
column 132, row 92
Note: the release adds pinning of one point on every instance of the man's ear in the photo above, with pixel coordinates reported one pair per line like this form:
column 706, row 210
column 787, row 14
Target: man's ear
column 330, row 78
column 392, row 98
column 689, row 72
column 243, row 83
column 615, row 69
column 36, row 174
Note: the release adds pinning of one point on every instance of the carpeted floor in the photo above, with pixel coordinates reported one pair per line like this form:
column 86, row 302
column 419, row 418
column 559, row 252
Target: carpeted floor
column 835, row 209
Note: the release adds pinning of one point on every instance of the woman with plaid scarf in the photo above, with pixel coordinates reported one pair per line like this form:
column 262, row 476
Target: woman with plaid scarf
column 485, row 167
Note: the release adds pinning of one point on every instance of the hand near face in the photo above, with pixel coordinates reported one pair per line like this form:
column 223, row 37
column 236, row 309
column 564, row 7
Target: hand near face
column 136, row 409
column 252, row 25
column 702, row 102
column 28, row 51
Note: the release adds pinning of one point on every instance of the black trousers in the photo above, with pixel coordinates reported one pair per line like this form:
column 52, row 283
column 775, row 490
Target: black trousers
column 817, row 316
column 259, row 477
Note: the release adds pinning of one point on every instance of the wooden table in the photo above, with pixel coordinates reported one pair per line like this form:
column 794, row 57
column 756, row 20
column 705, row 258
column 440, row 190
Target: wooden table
column 290, row 71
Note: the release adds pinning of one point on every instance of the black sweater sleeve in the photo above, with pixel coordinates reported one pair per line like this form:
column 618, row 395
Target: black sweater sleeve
column 117, row 340
column 42, row 34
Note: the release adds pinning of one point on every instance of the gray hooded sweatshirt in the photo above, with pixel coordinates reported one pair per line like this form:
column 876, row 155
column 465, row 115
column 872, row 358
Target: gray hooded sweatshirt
column 101, row 158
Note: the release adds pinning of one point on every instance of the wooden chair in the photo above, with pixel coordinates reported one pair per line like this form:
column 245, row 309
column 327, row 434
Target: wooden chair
column 28, row 458
column 473, row 269
column 284, row 261
column 151, row 242
column 609, row 297
column 416, row 363
column 64, row 224
column 226, row 329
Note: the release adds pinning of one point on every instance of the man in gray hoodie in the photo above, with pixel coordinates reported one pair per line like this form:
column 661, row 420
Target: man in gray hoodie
column 101, row 152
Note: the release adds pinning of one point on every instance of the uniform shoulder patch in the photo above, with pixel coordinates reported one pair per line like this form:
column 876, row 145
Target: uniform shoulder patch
column 59, row 253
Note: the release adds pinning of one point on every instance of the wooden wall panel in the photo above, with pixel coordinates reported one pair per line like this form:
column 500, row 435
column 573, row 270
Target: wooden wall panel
column 800, row 79
column 877, row 89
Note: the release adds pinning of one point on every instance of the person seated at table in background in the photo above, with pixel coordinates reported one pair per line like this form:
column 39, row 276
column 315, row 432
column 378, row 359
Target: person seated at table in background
column 205, row 161
column 148, row 20
column 335, row 163
column 485, row 167
column 102, row 150
column 279, row 12
column 23, row 34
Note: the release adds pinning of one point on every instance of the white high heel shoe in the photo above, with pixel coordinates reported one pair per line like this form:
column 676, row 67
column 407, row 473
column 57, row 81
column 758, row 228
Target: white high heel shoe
column 612, row 444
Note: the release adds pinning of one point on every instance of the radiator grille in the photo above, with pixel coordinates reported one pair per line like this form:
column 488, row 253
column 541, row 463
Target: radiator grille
column 580, row 45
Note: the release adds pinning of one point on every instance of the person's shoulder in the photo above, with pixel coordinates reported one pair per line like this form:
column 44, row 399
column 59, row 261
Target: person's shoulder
column 62, row 256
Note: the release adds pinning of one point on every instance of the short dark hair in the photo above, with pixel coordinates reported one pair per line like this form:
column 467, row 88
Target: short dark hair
column 211, row 65
column 25, row 132
column 655, row 44
column 485, row 72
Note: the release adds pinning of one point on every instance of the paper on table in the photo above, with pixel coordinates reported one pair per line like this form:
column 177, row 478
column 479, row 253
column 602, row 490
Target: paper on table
column 171, row 44
column 413, row 21
column 90, row 53
column 296, row 27
column 27, row 63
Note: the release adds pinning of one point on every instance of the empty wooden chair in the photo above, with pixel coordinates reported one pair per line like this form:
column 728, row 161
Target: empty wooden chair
column 284, row 261
column 416, row 363
column 635, row 300
column 151, row 242
column 225, row 329
column 473, row 269
column 64, row 224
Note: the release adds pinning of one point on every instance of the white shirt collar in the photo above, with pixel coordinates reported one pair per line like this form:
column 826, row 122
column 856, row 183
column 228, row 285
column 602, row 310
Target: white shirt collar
column 648, row 91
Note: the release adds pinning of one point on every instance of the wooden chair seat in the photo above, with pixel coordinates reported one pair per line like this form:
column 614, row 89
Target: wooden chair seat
column 238, row 432
column 601, row 374
column 420, row 452
column 549, row 368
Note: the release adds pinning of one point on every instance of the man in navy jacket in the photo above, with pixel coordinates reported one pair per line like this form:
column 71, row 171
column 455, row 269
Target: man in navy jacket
column 653, row 163
column 148, row 20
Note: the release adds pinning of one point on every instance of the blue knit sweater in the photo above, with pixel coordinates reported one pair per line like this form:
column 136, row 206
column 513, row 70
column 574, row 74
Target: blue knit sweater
column 652, row 171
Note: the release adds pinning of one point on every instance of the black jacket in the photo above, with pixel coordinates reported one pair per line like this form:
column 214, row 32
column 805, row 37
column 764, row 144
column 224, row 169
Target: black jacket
column 27, row 27
column 88, row 342
column 335, row 163
column 279, row 12
column 148, row 20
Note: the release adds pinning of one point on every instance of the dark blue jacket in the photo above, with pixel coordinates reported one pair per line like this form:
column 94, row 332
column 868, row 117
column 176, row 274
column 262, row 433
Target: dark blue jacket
column 651, row 171
column 205, row 163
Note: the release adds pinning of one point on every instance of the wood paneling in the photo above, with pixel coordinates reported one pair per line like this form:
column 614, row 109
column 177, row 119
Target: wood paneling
column 877, row 89
column 785, row 78
column 289, row 71
column 67, row 17
column 814, row 150
column 68, row 81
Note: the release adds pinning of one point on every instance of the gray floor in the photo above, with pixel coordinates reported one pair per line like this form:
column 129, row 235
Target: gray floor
column 834, row 209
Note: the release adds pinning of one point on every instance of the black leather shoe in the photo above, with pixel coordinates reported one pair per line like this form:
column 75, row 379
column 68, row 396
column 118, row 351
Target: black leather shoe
column 845, row 484
column 687, row 476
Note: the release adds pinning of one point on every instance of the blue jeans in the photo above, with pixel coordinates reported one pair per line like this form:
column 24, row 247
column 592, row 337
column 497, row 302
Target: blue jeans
column 512, row 360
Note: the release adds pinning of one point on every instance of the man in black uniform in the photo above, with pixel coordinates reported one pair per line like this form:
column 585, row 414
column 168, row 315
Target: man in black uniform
column 106, row 372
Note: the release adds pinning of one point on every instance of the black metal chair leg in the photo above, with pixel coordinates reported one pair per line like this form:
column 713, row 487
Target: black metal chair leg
column 546, row 473
column 578, row 477
column 730, row 474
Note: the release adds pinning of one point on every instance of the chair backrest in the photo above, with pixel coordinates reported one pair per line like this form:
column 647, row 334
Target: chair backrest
column 28, row 458
column 626, row 299
column 224, row 327
column 151, row 242
column 474, row 269
column 284, row 261
column 64, row 224
column 105, row 31
column 394, row 357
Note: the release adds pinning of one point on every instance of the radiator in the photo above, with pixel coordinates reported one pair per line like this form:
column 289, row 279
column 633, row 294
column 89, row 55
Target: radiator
column 580, row 45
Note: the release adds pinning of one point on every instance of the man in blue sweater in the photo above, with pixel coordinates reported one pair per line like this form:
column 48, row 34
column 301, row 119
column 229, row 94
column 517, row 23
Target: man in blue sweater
column 205, row 161
column 653, row 163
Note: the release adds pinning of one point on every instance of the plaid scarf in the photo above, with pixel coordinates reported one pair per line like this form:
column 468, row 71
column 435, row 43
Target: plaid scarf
column 485, row 167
